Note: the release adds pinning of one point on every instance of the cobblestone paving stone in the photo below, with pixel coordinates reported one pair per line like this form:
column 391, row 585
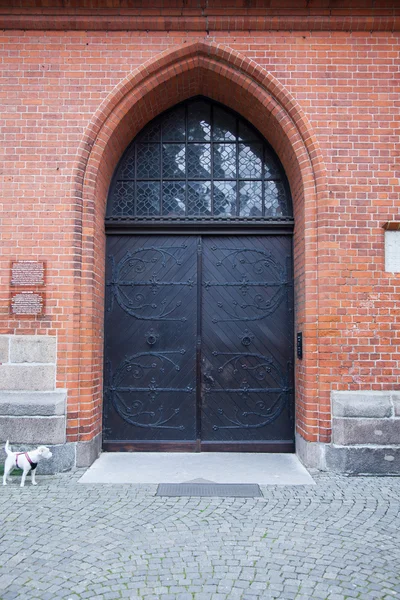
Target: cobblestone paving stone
column 336, row 540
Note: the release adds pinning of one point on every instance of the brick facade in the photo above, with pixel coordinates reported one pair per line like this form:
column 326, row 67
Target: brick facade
column 321, row 83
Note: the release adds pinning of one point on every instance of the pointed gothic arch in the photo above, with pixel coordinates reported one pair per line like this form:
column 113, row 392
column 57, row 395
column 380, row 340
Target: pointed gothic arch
column 237, row 82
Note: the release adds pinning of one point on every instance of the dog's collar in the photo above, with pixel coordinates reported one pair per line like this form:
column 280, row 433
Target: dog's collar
column 28, row 458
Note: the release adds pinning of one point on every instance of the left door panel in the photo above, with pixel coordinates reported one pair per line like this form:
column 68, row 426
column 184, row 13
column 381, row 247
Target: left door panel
column 150, row 342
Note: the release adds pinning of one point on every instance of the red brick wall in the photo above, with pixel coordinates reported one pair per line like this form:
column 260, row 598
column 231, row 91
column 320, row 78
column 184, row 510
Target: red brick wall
column 326, row 100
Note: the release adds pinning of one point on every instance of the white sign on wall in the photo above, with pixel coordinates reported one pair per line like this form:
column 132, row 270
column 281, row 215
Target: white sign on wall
column 392, row 251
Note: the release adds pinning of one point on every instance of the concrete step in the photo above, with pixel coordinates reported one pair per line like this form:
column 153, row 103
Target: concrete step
column 211, row 467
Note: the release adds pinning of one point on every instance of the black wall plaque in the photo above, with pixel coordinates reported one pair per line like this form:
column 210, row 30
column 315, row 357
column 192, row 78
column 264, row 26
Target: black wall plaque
column 299, row 345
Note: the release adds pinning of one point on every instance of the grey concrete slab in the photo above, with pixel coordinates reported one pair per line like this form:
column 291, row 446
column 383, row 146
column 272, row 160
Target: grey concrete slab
column 396, row 404
column 87, row 452
column 33, row 430
column 4, row 349
column 365, row 404
column 216, row 467
column 33, row 349
column 377, row 460
column 382, row 432
column 33, row 404
column 35, row 377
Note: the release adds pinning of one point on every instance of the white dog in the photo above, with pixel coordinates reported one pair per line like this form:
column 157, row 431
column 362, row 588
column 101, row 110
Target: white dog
column 27, row 461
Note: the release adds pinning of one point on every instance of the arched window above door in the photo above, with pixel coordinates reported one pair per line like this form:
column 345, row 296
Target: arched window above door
column 199, row 162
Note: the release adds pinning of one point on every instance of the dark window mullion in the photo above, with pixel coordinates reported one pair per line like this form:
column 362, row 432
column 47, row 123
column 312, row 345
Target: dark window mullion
column 161, row 171
column 262, row 182
column 135, row 184
column 212, row 157
column 237, row 170
column 186, row 159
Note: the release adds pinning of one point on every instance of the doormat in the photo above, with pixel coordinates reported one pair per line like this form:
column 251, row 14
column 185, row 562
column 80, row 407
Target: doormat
column 206, row 490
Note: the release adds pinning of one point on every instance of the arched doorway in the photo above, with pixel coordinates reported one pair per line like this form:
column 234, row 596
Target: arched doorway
column 199, row 289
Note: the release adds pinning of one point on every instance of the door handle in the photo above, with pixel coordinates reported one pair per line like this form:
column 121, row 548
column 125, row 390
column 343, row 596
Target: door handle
column 208, row 378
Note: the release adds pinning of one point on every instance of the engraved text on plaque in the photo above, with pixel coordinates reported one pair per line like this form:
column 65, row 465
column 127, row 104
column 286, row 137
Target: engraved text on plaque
column 27, row 303
column 27, row 272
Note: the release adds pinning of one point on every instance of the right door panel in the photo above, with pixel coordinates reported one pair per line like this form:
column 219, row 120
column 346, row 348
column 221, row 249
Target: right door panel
column 247, row 343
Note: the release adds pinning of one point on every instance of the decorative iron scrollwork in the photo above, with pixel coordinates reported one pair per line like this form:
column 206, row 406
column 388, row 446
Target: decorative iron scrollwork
column 138, row 304
column 259, row 412
column 144, row 412
column 263, row 305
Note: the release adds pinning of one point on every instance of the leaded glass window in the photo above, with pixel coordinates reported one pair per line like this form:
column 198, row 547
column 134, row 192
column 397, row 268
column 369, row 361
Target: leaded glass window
column 199, row 161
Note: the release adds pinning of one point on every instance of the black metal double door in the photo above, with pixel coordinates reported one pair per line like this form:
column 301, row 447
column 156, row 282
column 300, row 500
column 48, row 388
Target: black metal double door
column 199, row 343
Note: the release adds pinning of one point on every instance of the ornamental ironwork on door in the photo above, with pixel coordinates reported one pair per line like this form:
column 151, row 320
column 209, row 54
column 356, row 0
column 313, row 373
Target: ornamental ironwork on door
column 247, row 341
column 150, row 339
column 199, row 290
column 198, row 342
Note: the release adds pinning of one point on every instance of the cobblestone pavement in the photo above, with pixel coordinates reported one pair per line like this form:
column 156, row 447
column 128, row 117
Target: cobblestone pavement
column 335, row 540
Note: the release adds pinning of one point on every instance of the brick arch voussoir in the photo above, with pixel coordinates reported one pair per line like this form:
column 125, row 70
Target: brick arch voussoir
column 223, row 62
column 238, row 92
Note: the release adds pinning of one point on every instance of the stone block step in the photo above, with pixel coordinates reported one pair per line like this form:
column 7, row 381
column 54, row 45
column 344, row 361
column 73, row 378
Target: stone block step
column 43, row 404
column 33, row 417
